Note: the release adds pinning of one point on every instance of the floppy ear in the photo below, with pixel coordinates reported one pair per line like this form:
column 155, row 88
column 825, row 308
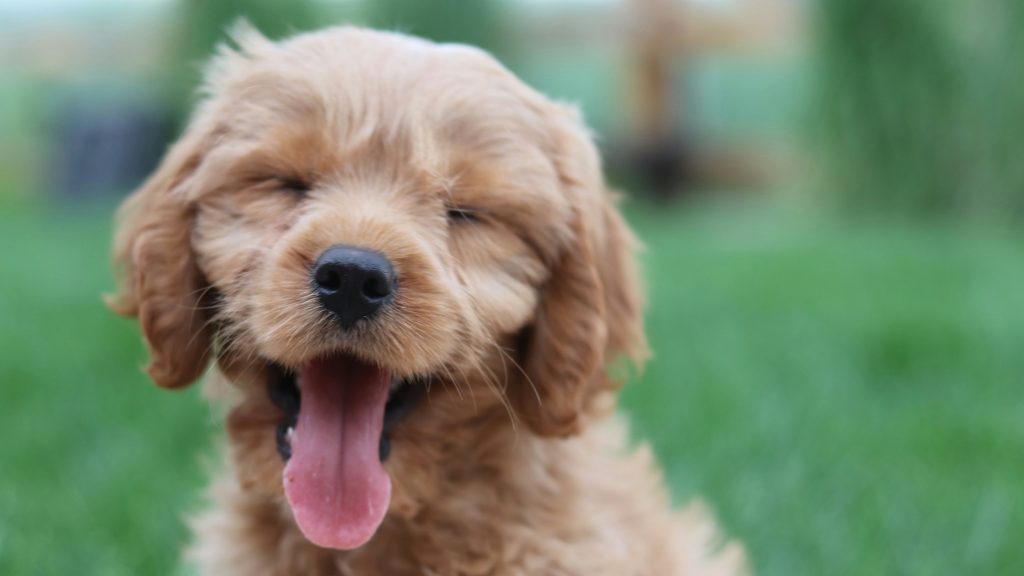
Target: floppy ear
column 590, row 312
column 160, row 282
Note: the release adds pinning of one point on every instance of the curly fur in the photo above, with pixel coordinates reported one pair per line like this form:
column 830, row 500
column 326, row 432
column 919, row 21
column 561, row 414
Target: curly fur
column 513, row 464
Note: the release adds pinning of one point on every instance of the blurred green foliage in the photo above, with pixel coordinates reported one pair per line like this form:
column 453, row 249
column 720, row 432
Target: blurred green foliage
column 920, row 105
column 200, row 25
column 474, row 22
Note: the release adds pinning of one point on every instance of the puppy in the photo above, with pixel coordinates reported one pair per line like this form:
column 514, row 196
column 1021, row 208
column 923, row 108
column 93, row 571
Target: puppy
column 411, row 278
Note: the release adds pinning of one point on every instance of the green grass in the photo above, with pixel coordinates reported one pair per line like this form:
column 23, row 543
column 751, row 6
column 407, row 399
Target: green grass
column 847, row 397
column 96, row 464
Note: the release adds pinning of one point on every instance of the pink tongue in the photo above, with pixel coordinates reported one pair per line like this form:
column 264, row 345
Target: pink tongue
column 334, row 481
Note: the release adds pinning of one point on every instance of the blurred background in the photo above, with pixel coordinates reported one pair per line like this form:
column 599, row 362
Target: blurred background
column 832, row 197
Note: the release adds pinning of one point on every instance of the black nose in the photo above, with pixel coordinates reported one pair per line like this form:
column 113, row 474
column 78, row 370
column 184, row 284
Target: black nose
column 353, row 283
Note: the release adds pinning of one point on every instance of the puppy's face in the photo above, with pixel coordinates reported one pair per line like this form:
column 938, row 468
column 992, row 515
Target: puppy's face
column 390, row 247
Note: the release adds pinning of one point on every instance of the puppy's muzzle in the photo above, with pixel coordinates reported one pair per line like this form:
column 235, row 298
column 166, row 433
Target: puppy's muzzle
column 353, row 283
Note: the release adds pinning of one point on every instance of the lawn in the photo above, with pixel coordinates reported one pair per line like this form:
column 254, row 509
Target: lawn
column 846, row 396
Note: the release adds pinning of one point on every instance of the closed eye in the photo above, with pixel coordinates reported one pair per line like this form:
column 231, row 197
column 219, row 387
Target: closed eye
column 462, row 215
column 292, row 184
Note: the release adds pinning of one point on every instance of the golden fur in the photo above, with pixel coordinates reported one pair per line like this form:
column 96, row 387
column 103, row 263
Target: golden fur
column 512, row 465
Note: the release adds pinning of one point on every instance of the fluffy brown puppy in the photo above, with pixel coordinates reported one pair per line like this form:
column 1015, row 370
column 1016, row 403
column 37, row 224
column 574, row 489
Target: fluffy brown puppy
column 412, row 280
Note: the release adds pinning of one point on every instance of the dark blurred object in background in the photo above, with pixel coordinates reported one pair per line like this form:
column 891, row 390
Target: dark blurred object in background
column 102, row 148
column 655, row 78
column 915, row 105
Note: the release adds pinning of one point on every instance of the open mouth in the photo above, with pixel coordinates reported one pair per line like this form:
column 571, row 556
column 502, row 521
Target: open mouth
column 339, row 413
column 403, row 396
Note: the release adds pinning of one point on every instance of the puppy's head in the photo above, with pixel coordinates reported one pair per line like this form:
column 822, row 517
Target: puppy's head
column 354, row 221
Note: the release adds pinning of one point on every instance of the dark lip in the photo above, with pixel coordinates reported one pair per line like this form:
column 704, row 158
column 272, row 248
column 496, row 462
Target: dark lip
column 283, row 391
column 402, row 400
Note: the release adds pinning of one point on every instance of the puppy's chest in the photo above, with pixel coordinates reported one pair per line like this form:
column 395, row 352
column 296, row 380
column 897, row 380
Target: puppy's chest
column 439, row 547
